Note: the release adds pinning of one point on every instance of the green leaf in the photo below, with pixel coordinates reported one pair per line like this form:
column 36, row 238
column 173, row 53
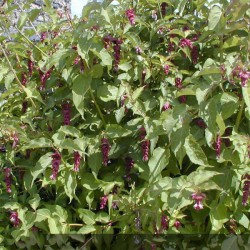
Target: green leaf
column 89, row 182
column 214, row 17
column 97, row 71
column 87, row 216
column 69, row 130
column 218, row 216
column 231, row 243
column 158, row 162
column 22, row 20
column 106, row 57
column 246, row 96
column 41, row 165
column 81, row 85
column 107, row 93
column 38, row 143
column 137, row 93
column 102, row 217
column 116, row 131
column 70, row 184
column 177, row 140
column 195, row 152
column 86, row 229
column 200, row 176
column 34, row 203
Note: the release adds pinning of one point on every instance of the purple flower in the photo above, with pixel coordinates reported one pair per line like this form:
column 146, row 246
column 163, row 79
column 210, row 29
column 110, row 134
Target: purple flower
column 44, row 77
column 198, row 198
column 77, row 161
column 103, row 202
column 24, row 79
column 166, row 69
column 56, row 161
column 184, row 42
column 166, row 106
column 145, row 144
column 7, row 179
column 246, row 189
column 244, row 76
column 43, row 36
column 194, row 54
column 178, row 83
column 177, row 224
column 30, row 67
column 15, row 140
column 105, row 147
column 164, row 223
column 218, row 146
column 66, row 108
column 15, row 221
column 138, row 50
column 131, row 16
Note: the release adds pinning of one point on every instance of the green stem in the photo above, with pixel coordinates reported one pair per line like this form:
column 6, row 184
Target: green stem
column 159, row 8
column 221, row 50
column 97, row 107
column 239, row 116
column 28, row 40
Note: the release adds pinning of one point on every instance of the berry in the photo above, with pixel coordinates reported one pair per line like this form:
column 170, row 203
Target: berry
column 178, row 83
column 30, row 67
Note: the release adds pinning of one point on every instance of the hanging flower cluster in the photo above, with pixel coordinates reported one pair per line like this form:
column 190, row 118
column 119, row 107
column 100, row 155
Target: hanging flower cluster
column 30, row 67
column 244, row 76
column 144, row 144
column 105, row 148
column 15, row 221
column 129, row 165
column 56, row 161
column 166, row 106
column 103, row 202
column 198, row 198
column 77, row 161
column 166, row 69
column 246, row 189
column 218, row 146
column 15, row 139
column 117, row 52
column 44, row 77
column 66, row 108
column 130, row 14
column 184, row 42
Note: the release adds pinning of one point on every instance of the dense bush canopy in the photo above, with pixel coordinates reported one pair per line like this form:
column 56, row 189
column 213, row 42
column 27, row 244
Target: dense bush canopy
column 133, row 119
